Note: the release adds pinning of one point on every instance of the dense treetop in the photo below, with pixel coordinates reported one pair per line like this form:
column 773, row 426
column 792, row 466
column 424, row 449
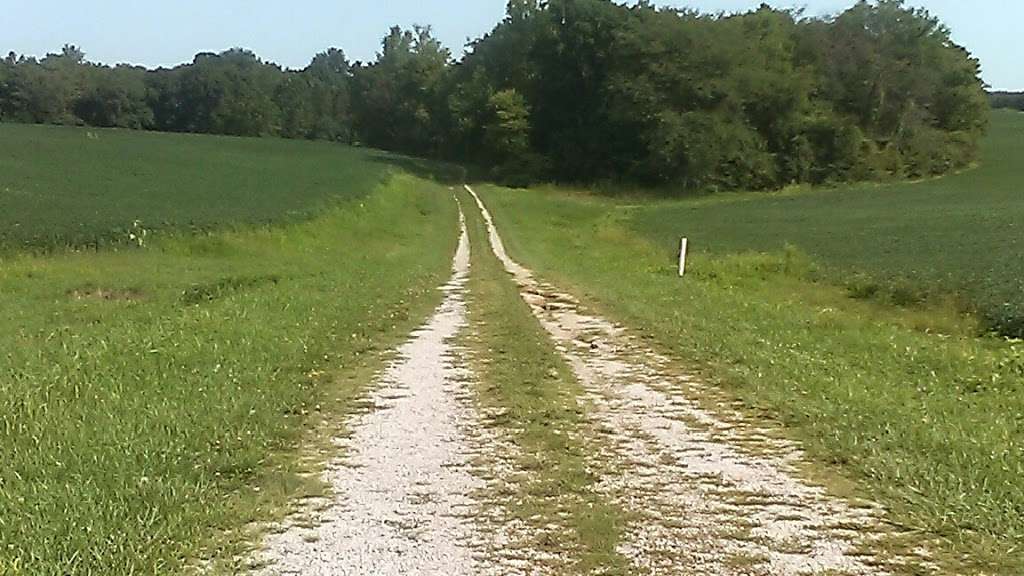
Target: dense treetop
column 580, row 90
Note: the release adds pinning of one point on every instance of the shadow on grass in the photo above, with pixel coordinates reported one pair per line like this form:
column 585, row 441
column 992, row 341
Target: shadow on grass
column 439, row 171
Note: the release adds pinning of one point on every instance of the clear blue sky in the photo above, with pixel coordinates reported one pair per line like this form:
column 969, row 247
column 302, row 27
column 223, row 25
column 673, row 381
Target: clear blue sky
column 164, row 33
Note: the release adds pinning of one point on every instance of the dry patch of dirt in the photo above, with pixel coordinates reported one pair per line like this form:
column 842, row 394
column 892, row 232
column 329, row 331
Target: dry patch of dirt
column 105, row 294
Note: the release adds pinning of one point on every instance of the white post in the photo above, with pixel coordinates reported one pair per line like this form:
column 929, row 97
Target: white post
column 682, row 257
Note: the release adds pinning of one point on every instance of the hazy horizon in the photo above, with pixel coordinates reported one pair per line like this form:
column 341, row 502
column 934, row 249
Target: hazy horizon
column 168, row 35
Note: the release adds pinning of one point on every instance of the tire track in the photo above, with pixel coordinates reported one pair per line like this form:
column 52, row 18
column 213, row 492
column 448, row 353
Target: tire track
column 404, row 495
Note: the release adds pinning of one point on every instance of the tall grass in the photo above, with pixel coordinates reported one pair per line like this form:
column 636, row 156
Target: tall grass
column 144, row 391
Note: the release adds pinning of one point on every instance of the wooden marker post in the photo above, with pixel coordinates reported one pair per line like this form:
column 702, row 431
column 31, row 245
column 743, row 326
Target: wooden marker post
column 682, row 257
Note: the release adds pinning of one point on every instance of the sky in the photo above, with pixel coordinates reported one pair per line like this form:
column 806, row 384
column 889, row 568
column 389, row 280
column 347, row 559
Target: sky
column 166, row 33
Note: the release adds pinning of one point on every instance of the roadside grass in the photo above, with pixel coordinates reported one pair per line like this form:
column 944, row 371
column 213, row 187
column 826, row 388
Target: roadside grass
column 152, row 400
column 921, row 414
column 65, row 186
column 522, row 378
column 903, row 243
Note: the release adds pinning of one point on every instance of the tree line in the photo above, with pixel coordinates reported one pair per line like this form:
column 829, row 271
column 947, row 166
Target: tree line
column 1011, row 100
column 580, row 90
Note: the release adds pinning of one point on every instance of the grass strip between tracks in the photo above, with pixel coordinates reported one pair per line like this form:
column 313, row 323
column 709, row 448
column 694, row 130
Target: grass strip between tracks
column 524, row 380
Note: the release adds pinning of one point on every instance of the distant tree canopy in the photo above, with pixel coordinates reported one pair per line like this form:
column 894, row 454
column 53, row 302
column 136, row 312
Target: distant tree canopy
column 1011, row 100
column 581, row 90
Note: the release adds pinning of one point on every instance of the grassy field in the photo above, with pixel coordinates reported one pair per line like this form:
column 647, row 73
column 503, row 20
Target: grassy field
column 64, row 186
column 523, row 378
column 149, row 397
column 907, row 401
column 905, row 242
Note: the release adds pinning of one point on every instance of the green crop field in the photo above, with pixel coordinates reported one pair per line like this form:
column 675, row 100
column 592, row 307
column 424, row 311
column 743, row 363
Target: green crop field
column 905, row 400
column 963, row 234
column 67, row 186
column 150, row 397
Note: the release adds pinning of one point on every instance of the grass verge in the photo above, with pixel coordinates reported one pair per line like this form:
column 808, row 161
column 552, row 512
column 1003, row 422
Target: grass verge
column 524, row 380
column 930, row 424
column 904, row 242
column 145, row 393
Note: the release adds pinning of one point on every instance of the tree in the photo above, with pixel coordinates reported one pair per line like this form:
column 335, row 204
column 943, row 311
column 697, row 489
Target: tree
column 163, row 96
column 519, row 11
column 294, row 97
column 507, row 137
column 329, row 76
column 912, row 90
column 6, row 75
column 572, row 54
column 38, row 95
column 229, row 93
column 115, row 98
column 581, row 90
column 399, row 99
column 330, row 67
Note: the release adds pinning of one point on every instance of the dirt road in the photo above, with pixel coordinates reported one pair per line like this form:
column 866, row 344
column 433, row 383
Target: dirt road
column 707, row 492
